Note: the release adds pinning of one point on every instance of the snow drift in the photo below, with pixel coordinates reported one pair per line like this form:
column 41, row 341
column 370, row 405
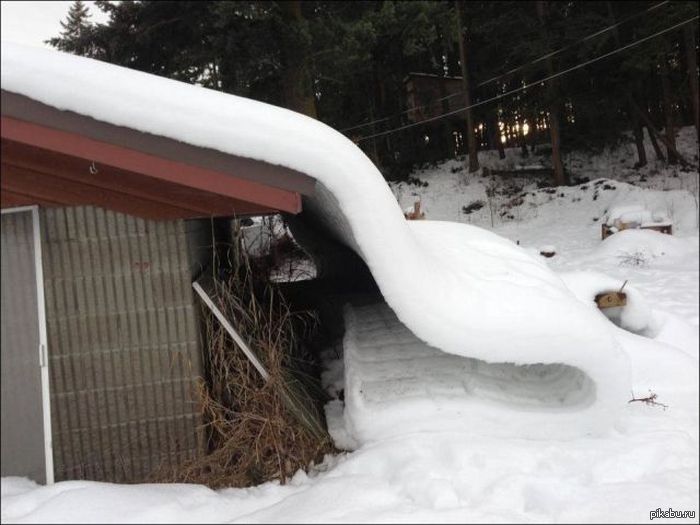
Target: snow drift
column 397, row 384
column 459, row 289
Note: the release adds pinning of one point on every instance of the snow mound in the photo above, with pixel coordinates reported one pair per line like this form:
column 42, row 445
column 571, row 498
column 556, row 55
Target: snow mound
column 459, row 289
column 646, row 245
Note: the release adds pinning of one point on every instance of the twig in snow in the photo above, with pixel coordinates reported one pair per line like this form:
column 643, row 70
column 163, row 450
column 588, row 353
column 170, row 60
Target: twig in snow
column 649, row 400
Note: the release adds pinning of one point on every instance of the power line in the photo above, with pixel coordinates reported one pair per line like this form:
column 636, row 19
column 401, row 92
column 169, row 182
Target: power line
column 514, row 70
column 459, row 93
column 522, row 88
column 566, row 48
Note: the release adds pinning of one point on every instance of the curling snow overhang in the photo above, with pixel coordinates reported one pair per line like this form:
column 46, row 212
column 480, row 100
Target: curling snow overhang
column 458, row 288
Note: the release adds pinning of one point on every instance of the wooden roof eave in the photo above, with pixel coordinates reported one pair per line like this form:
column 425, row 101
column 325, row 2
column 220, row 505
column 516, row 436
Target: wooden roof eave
column 28, row 170
column 148, row 158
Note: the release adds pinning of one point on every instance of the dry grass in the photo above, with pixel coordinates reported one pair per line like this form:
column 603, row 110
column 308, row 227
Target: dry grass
column 257, row 430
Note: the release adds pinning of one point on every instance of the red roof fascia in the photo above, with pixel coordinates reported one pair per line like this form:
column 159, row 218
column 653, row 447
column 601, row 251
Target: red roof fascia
column 149, row 165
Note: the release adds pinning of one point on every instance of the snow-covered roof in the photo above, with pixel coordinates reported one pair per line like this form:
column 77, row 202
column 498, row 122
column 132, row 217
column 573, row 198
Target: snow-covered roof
column 459, row 288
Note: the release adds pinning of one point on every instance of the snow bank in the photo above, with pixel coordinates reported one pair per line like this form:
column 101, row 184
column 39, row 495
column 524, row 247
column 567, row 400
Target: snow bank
column 460, row 289
column 93, row 502
column 423, row 478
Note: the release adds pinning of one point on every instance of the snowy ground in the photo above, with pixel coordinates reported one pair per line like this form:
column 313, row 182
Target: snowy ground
column 648, row 461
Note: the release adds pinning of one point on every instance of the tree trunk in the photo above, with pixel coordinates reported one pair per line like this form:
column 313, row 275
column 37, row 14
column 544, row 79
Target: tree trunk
column 499, row 142
column 559, row 177
column 668, row 114
column 692, row 62
column 655, row 144
column 450, row 149
column 639, row 141
column 655, row 100
column 378, row 107
column 471, row 139
column 494, row 135
column 634, row 119
column 646, row 121
column 533, row 135
column 523, row 143
column 670, row 146
column 296, row 81
column 445, row 127
column 374, row 155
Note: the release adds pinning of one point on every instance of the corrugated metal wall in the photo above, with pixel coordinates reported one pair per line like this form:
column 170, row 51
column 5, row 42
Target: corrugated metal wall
column 123, row 344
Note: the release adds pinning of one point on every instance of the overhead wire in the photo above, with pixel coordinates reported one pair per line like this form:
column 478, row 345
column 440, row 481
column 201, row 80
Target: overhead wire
column 513, row 70
column 534, row 83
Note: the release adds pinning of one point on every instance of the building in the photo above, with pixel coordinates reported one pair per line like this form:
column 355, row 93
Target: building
column 104, row 228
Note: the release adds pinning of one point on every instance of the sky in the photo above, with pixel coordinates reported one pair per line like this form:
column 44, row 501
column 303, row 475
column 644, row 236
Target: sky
column 33, row 22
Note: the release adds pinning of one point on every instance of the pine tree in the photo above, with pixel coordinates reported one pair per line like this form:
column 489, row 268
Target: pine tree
column 77, row 31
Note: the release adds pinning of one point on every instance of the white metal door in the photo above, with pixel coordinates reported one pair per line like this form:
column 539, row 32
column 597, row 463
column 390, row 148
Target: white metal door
column 26, row 418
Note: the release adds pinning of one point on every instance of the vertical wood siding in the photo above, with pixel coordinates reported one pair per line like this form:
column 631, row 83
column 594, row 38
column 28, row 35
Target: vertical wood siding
column 123, row 345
